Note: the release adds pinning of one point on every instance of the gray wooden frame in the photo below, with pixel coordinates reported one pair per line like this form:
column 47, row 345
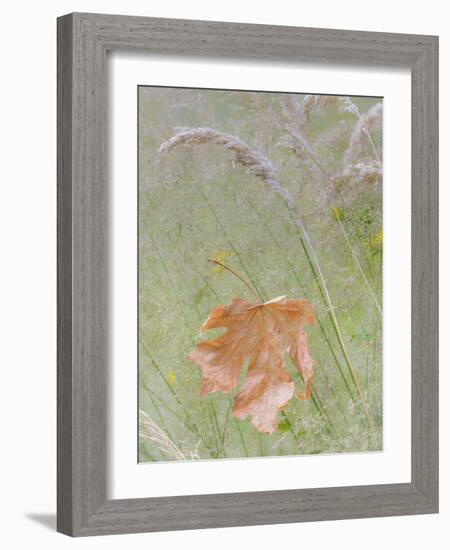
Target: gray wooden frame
column 83, row 41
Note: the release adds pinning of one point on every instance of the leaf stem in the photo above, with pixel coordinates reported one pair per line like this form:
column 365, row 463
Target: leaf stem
column 252, row 290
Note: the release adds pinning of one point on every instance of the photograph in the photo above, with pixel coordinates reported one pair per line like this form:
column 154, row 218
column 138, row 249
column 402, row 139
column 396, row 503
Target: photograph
column 260, row 277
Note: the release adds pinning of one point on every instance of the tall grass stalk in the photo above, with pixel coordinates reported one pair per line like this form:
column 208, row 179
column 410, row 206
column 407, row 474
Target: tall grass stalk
column 323, row 289
column 244, row 446
column 158, row 412
column 299, row 145
column 305, row 293
column 177, row 297
column 343, row 230
column 169, row 277
column 170, row 410
column 179, row 402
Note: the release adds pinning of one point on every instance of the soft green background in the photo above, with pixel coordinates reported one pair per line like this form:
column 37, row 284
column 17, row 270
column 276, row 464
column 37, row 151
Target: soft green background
column 194, row 203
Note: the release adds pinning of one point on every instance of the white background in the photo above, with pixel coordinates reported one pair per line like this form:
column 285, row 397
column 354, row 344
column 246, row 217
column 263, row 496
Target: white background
column 131, row 480
column 28, row 267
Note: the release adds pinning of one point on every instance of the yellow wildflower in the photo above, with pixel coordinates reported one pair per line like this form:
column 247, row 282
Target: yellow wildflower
column 337, row 214
column 221, row 256
column 375, row 242
column 171, row 377
column 377, row 239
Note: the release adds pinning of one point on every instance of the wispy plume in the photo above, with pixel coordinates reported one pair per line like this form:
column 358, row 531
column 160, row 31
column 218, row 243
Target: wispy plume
column 253, row 161
column 298, row 111
column 360, row 173
column 361, row 131
column 316, row 103
column 150, row 432
column 295, row 120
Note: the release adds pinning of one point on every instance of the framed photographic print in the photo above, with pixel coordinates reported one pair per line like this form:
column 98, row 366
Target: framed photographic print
column 247, row 274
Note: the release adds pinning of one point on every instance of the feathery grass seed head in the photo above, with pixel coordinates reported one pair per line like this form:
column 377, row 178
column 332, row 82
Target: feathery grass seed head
column 253, row 161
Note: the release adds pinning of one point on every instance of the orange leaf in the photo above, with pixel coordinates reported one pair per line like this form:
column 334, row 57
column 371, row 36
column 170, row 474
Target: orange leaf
column 259, row 334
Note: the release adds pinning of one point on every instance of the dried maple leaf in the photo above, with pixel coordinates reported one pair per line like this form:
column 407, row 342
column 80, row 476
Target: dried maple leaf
column 259, row 334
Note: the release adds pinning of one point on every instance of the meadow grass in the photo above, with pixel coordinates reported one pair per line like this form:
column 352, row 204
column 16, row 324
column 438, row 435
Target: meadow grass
column 200, row 201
